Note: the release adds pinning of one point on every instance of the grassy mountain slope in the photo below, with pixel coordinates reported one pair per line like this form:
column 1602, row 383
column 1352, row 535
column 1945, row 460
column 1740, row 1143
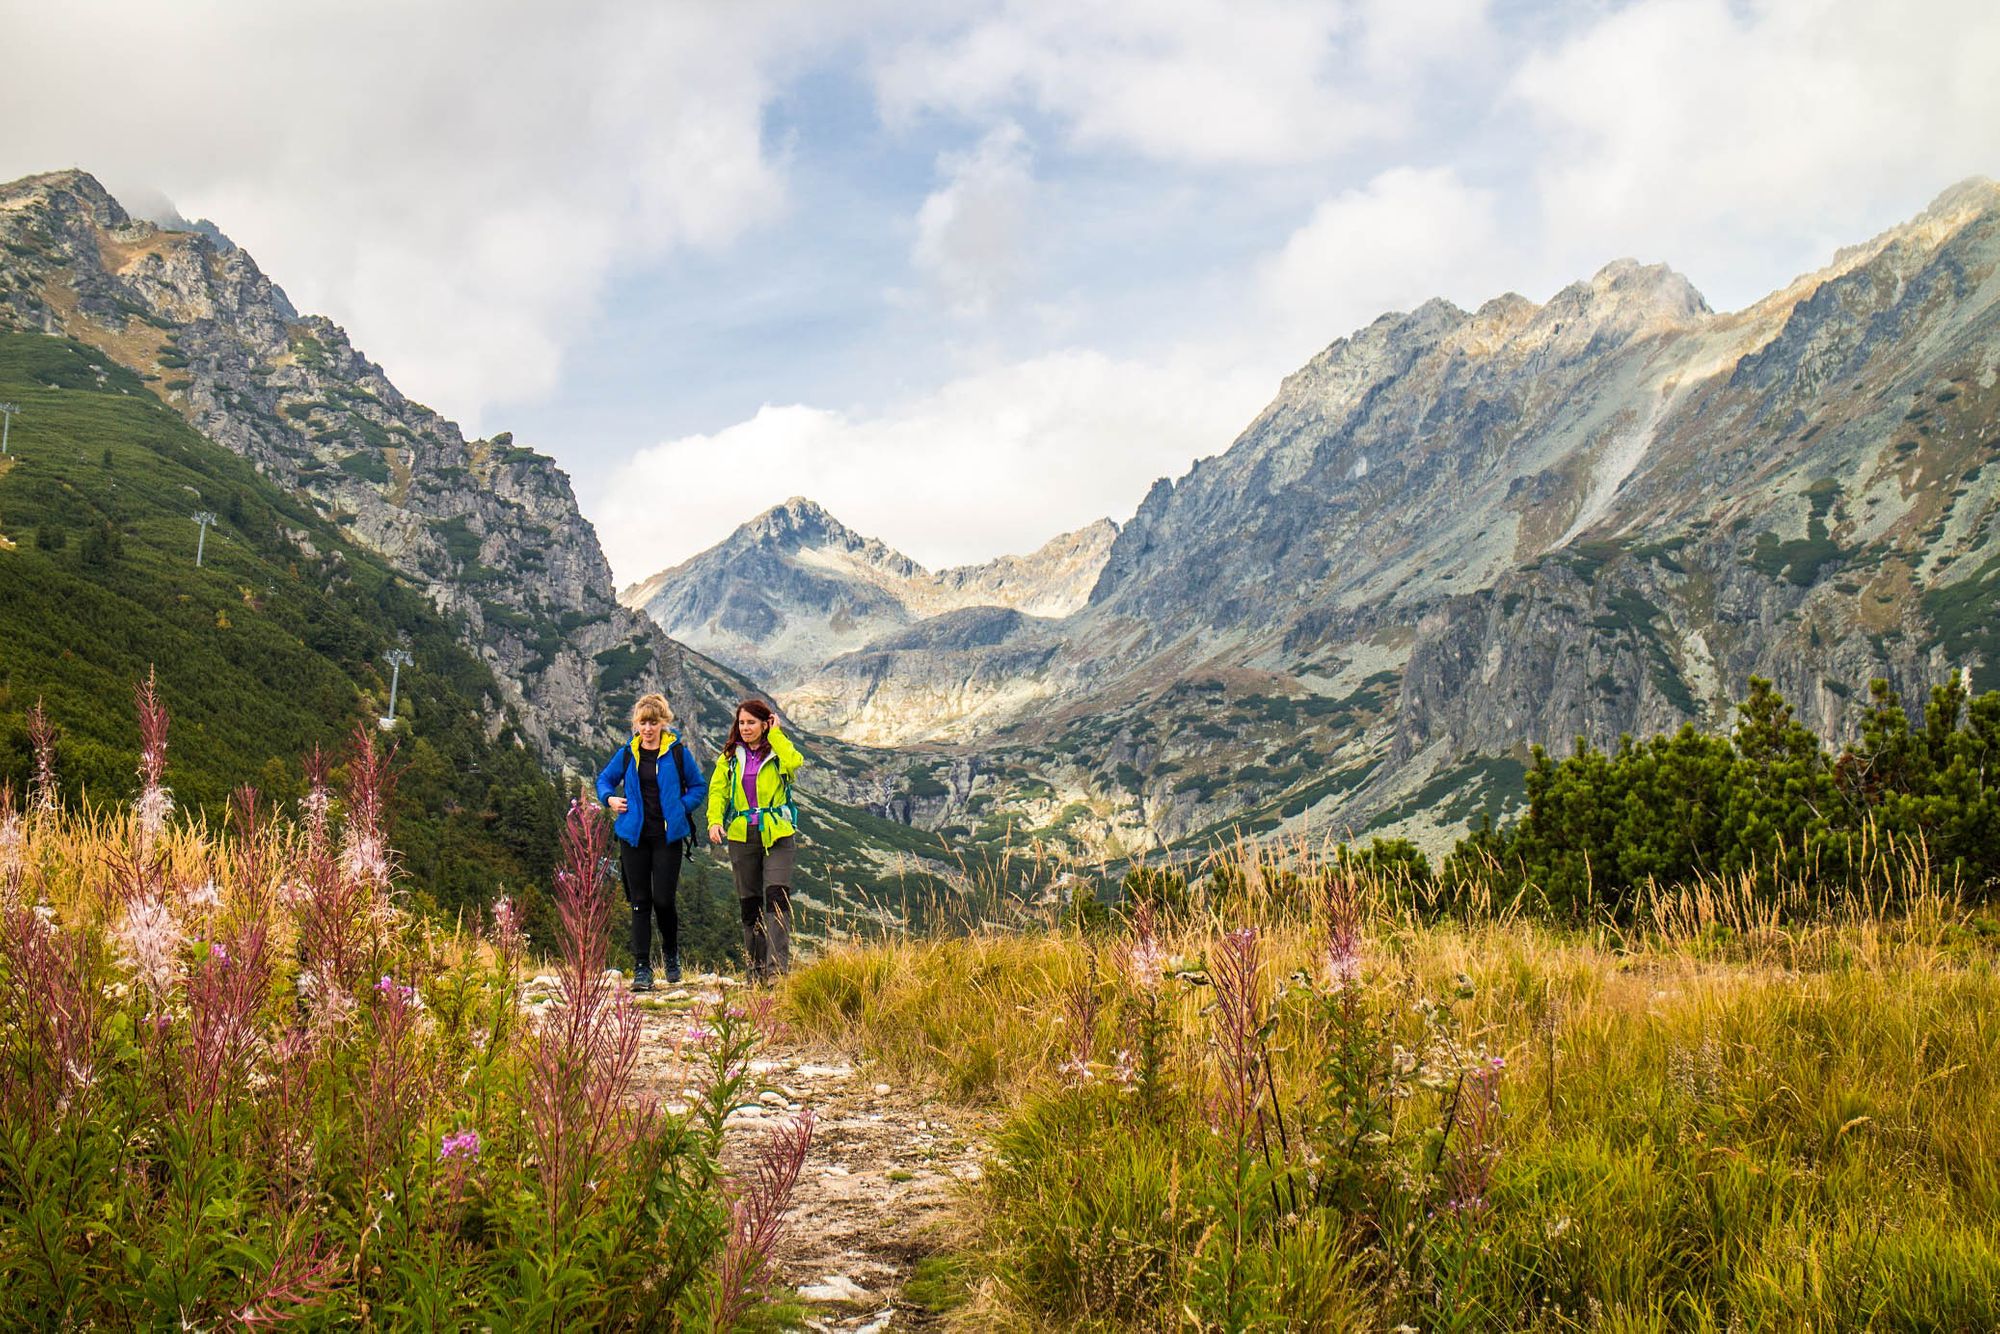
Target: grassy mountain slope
column 275, row 645
column 278, row 644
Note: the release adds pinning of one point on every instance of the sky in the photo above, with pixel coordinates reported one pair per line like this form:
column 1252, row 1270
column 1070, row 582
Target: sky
column 971, row 275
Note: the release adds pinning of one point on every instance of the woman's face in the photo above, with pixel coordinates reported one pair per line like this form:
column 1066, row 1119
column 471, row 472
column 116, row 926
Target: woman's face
column 750, row 727
column 649, row 733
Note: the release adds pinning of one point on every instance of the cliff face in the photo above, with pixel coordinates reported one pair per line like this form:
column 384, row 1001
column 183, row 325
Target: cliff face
column 1451, row 535
column 795, row 590
column 1455, row 534
column 489, row 530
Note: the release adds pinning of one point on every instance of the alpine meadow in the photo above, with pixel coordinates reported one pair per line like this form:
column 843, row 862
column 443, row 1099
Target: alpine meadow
column 1504, row 835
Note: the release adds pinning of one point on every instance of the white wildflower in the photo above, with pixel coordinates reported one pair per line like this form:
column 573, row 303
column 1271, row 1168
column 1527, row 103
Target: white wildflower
column 150, row 944
column 153, row 808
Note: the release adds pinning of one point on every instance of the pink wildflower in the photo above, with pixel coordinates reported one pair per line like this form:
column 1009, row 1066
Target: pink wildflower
column 757, row 1210
column 1239, row 1019
column 364, row 851
column 318, row 801
column 508, row 937
column 465, row 1144
column 42, row 740
column 155, row 803
column 1343, row 931
column 150, row 944
column 1144, row 957
column 1081, row 1010
column 1475, row 1115
column 1126, row 1071
column 13, row 848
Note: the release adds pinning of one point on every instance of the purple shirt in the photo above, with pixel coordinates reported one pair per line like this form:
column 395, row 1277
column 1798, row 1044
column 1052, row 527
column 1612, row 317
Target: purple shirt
column 752, row 762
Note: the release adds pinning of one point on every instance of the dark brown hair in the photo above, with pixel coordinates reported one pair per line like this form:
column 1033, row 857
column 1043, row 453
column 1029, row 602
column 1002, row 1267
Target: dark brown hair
column 756, row 708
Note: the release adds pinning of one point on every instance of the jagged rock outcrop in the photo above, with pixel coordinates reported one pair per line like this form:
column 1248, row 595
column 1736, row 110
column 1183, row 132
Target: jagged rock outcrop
column 794, row 589
column 1456, row 534
column 488, row 529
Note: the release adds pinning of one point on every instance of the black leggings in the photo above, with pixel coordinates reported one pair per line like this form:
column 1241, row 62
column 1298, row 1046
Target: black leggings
column 652, row 874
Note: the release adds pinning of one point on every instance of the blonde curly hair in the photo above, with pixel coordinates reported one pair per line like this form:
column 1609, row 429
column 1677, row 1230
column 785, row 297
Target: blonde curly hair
column 652, row 708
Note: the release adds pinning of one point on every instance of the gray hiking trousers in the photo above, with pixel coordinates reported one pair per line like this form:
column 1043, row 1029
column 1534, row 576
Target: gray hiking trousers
column 764, row 894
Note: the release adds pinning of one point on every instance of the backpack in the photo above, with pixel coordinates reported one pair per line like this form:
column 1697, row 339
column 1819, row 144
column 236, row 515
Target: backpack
column 786, row 807
column 691, row 844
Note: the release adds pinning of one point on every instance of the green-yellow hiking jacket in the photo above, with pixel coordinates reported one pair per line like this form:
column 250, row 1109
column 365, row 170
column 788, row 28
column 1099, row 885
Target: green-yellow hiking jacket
column 726, row 806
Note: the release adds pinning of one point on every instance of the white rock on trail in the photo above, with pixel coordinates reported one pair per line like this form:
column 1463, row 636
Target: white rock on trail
column 811, row 1070
column 835, row 1288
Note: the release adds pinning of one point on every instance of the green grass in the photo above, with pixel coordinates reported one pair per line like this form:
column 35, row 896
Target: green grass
column 261, row 654
column 1702, row 1123
column 1966, row 620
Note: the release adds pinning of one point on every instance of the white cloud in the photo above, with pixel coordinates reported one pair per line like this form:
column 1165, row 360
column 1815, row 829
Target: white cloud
column 1191, row 81
column 1738, row 140
column 1407, row 236
column 972, row 231
column 455, row 182
column 993, row 462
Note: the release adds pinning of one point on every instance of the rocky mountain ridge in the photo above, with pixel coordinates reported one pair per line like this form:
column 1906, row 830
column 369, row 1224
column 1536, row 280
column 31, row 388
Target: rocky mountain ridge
column 1451, row 535
column 1455, row 534
column 794, row 589
column 489, row 530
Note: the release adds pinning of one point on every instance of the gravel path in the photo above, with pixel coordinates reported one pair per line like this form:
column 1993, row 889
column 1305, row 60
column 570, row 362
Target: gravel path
column 886, row 1176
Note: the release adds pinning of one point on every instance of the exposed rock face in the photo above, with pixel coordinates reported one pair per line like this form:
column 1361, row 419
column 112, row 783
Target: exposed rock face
column 794, row 589
column 489, row 530
column 1599, row 515
column 1454, row 534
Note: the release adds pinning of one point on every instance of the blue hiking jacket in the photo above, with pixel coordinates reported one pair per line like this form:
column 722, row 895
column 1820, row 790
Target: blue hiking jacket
column 677, row 806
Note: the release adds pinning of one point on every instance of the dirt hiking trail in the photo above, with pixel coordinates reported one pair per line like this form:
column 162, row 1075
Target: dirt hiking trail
column 882, row 1186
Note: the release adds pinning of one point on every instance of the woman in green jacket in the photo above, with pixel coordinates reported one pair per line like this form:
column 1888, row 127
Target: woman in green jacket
column 750, row 805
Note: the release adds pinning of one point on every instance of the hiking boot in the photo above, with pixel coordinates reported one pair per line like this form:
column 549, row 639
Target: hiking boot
column 674, row 971
column 642, row 978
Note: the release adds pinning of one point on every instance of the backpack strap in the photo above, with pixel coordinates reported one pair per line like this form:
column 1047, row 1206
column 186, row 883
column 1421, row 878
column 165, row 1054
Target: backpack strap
column 679, row 751
column 785, row 807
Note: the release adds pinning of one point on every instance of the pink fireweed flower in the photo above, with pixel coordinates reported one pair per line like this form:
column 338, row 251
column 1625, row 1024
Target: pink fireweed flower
column 318, row 801
column 400, row 992
column 42, row 740
column 155, row 803
column 759, row 1205
column 1144, row 957
column 465, row 1144
column 1343, row 931
column 364, row 851
column 150, row 944
column 508, row 937
column 13, row 846
column 1468, row 1167
column 1235, row 969
column 1081, row 1008
column 1076, row 1072
column 363, row 858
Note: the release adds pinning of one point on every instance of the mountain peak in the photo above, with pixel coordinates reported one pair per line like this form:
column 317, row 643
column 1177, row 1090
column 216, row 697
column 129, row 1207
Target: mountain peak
column 799, row 522
column 78, row 184
column 1656, row 288
column 1980, row 194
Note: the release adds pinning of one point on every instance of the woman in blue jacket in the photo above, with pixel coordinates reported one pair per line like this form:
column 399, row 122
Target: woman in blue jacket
column 658, row 787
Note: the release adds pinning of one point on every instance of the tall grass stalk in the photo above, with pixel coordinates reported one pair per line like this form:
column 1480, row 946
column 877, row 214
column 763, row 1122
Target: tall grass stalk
column 241, row 1084
column 1733, row 1111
